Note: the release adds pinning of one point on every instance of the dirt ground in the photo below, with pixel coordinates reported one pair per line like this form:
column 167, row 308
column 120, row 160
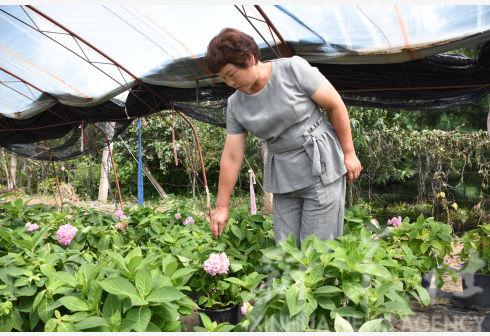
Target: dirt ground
column 447, row 311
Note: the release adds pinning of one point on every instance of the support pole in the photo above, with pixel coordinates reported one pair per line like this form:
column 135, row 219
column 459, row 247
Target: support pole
column 140, row 164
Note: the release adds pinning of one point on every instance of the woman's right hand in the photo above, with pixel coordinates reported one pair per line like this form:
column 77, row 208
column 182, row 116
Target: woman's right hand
column 219, row 219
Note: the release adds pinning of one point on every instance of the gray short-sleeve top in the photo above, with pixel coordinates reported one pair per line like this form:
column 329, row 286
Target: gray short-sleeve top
column 303, row 146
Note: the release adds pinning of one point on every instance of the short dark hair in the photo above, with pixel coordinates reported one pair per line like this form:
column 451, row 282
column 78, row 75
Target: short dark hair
column 230, row 46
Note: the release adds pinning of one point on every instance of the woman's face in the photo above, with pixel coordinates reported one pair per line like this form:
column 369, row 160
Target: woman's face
column 237, row 78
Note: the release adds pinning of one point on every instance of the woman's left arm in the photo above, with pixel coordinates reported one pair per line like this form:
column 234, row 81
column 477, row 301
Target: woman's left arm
column 326, row 96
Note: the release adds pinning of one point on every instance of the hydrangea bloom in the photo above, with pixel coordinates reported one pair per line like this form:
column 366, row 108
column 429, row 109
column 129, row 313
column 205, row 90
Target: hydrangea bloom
column 188, row 220
column 121, row 226
column 245, row 308
column 119, row 213
column 31, row 227
column 395, row 221
column 65, row 234
column 178, row 216
column 217, row 263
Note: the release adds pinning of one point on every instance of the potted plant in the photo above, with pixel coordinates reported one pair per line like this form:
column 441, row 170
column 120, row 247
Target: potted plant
column 475, row 256
column 217, row 298
column 429, row 240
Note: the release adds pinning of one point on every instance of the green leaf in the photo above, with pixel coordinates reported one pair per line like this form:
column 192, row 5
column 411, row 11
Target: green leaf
column 112, row 310
column 118, row 258
column 137, row 319
column 45, row 309
column 397, row 308
column 373, row 269
column 62, row 290
column 372, row 326
column 182, row 272
column 66, row 278
column 165, row 294
column 15, row 271
column 143, row 282
column 134, row 259
column 237, row 282
column 122, row 286
column 292, row 300
column 423, row 295
column 273, row 253
column 342, row 325
column 235, row 267
column 38, row 299
column 354, row 291
column 51, row 325
column 327, row 290
column 77, row 317
column 66, row 326
column 25, row 291
column 224, row 327
column 47, row 270
column 348, row 312
column 207, row 323
column 17, row 321
column 90, row 322
column 326, row 303
column 169, row 265
column 73, row 303
column 104, row 243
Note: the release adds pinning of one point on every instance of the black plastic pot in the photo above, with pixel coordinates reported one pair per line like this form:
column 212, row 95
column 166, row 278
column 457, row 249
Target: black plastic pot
column 229, row 314
column 193, row 295
column 472, row 284
column 426, row 279
column 485, row 326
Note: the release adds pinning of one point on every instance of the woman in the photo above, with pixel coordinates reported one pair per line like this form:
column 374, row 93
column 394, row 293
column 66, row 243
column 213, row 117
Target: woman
column 308, row 158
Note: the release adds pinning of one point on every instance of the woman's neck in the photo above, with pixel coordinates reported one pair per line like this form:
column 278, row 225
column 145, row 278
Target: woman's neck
column 264, row 72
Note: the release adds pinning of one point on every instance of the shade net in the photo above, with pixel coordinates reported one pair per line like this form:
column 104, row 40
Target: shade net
column 435, row 82
column 57, row 93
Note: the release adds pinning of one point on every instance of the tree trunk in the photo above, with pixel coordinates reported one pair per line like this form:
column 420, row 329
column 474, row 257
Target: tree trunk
column 105, row 165
column 267, row 195
column 13, row 171
column 4, row 164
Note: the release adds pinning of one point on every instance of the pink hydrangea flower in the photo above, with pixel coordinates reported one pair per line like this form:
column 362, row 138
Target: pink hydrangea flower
column 65, row 234
column 188, row 220
column 121, row 226
column 217, row 263
column 178, row 216
column 245, row 308
column 119, row 213
column 31, row 227
column 395, row 221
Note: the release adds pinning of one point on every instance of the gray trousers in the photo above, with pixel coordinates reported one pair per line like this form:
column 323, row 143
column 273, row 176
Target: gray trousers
column 316, row 209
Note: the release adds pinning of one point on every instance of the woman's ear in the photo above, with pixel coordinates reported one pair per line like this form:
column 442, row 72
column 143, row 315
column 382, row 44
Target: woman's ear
column 251, row 60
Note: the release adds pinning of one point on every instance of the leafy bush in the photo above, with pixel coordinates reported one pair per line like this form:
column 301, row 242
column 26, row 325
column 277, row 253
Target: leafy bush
column 475, row 254
column 428, row 240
